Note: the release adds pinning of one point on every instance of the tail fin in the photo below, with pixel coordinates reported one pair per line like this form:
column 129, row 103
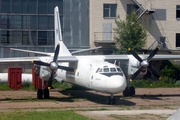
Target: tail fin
column 58, row 35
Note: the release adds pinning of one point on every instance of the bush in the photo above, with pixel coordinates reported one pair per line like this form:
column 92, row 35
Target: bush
column 152, row 84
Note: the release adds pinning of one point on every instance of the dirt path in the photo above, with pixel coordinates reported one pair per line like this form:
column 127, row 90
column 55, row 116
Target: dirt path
column 147, row 102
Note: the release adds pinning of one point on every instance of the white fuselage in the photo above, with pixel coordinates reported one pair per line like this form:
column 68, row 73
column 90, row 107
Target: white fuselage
column 91, row 73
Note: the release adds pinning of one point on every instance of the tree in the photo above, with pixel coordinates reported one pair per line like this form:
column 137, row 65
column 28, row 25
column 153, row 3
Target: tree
column 129, row 34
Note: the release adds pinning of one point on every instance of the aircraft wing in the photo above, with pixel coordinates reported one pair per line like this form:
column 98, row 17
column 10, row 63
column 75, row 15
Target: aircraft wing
column 67, row 59
column 156, row 57
column 30, row 59
column 84, row 50
column 31, row 51
column 18, row 59
column 51, row 54
column 166, row 57
column 116, row 57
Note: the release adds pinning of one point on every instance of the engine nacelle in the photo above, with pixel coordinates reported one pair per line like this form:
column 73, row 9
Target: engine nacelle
column 134, row 65
column 45, row 73
column 36, row 70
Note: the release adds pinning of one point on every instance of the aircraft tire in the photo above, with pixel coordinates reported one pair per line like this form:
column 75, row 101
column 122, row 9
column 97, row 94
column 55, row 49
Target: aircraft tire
column 126, row 92
column 39, row 94
column 46, row 94
column 113, row 100
column 109, row 100
column 132, row 91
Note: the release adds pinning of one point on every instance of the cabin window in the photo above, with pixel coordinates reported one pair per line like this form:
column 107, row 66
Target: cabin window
column 78, row 74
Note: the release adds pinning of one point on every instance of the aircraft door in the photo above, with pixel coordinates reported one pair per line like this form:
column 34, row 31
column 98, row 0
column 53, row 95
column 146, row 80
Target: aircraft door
column 89, row 77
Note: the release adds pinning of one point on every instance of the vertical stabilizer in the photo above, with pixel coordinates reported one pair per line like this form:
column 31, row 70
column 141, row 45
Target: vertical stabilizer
column 58, row 35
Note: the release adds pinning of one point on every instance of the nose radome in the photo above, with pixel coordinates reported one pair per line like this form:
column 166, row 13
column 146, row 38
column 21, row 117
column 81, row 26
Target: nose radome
column 116, row 84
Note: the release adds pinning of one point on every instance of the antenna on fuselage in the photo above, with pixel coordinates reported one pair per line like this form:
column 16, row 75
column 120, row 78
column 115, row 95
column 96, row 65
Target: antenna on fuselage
column 115, row 62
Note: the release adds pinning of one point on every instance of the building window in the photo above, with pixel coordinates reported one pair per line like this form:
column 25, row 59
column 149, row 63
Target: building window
column 177, row 39
column 131, row 8
column 178, row 11
column 42, row 37
column 5, row 6
column 109, row 10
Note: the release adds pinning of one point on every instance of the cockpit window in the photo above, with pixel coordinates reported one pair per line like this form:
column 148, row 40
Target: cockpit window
column 113, row 69
column 106, row 69
column 97, row 70
column 118, row 69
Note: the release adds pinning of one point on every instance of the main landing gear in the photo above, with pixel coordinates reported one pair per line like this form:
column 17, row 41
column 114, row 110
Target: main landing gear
column 43, row 92
column 129, row 91
column 111, row 100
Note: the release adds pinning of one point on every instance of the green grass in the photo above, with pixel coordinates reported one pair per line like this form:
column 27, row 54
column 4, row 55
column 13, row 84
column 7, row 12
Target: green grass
column 4, row 87
column 153, row 84
column 66, row 86
column 42, row 115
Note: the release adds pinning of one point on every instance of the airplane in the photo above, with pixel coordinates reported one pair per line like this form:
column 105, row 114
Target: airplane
column 97, row 72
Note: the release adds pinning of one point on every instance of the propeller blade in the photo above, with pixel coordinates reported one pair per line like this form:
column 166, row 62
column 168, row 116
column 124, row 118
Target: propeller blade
column 56, row 53
column 135, row 55
column 66, row 68
column 153, row 53
column 136, row 74
column 41, row 63
column 154, row 72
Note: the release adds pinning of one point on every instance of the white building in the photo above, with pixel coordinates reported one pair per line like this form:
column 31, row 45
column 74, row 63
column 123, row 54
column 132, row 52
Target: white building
column 161, row 18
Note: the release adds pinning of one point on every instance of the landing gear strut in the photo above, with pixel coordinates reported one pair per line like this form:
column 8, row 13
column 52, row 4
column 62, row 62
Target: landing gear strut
column 111, row 100
column 129, row 91
column 44, row 91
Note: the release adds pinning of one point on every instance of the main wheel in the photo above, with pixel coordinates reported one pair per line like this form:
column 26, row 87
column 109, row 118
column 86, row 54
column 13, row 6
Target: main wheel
column 46, row 94
column 109, row 100
column 39, row 94
column 113, row 100
column 126, row 92
column 132, row 91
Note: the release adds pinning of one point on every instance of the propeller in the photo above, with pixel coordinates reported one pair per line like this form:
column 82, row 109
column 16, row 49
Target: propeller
column 144, row 63
column 53, row 65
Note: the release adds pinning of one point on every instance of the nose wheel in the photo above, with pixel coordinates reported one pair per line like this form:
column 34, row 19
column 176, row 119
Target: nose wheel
column 111, row 100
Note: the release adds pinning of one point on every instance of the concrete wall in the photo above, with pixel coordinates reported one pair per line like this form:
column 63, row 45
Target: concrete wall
column 162, row 23
column 96, row 15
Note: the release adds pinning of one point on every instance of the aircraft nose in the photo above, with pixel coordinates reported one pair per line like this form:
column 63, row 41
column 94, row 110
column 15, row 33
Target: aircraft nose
column 116, row 84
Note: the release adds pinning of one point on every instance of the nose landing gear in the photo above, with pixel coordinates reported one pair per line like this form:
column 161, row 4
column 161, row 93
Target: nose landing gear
column 111, row 100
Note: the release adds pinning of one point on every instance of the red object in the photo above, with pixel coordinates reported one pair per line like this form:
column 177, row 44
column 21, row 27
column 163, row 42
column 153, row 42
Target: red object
column 37, row 82
column 15, row 78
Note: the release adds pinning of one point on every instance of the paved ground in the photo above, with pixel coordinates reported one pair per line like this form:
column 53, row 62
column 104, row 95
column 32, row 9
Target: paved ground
column 148, row 104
